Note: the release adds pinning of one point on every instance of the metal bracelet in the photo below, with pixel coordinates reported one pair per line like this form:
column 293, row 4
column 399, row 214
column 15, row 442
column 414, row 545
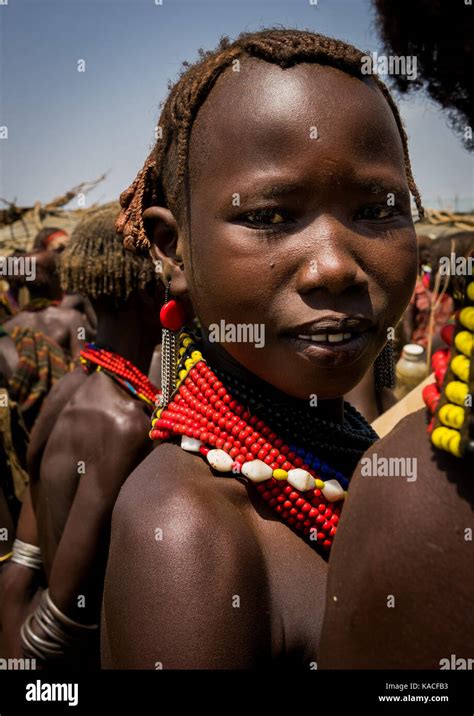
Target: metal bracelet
column 58, row 632
column 28, row 555
column 35, row 646
column 66, row 621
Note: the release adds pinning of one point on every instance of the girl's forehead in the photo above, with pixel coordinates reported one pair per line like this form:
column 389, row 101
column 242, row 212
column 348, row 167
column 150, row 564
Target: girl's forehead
column 263, row 114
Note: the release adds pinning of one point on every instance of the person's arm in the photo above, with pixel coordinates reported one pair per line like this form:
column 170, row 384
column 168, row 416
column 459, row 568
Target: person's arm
column 8, row 359
column 186, row 582
column 114, row 446
column 106, row 445
column 19, row 584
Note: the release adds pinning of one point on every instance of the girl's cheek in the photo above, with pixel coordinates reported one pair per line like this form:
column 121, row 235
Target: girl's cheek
column 395, row 273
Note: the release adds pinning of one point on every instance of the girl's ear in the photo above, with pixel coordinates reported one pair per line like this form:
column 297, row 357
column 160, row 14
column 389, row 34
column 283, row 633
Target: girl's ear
column 164, row 235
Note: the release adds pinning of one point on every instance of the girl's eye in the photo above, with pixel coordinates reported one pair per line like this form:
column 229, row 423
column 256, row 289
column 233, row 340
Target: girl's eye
column 264, row 217
column 376, row 211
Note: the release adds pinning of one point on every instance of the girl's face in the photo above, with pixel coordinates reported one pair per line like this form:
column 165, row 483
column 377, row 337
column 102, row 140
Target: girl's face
column 300, row 225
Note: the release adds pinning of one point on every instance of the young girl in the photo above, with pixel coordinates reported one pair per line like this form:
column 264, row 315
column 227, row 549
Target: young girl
column 277, row 199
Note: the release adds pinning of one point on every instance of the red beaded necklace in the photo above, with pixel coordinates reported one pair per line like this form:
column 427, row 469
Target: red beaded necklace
column 212, row 422
column 123, row 371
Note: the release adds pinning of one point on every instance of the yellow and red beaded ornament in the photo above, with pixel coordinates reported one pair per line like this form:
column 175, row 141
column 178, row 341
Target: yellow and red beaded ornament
column 449, row 400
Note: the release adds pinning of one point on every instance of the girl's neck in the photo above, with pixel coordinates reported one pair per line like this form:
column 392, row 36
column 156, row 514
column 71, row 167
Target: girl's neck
column 220, row 359
column 124, row 335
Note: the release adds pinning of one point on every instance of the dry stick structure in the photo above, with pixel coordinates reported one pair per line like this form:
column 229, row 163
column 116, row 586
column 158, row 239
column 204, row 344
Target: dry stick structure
column 464, row 222
column 32, row 218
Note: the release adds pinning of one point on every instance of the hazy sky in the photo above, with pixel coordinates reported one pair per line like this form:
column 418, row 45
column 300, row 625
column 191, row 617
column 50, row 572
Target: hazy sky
column 65, row 126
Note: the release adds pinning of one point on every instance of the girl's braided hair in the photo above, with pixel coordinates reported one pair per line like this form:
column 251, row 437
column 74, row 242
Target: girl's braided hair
column 160, row 181
column 96, row 264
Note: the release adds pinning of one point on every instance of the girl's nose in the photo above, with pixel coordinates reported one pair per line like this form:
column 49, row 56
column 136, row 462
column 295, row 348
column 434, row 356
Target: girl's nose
column 330, row 262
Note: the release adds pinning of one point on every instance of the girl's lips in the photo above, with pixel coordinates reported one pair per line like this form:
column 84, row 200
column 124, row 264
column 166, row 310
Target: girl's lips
column 340, row 353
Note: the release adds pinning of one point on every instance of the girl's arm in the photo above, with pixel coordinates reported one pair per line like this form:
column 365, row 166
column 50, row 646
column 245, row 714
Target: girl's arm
column 19, row 584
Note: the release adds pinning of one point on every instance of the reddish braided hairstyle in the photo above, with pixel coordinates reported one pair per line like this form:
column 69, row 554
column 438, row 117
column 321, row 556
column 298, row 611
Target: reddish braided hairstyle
column 160, row 181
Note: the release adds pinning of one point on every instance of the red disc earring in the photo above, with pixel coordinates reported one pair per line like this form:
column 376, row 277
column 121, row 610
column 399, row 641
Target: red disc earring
column 172, row 315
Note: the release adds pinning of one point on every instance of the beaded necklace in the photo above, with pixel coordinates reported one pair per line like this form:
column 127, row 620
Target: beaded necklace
column 94, row 357
column 343, row 444
column 225, row 426
column 449, row 399
column 38, row 304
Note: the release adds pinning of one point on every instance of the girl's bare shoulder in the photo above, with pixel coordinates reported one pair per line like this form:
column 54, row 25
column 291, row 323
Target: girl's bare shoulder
column 176, row 491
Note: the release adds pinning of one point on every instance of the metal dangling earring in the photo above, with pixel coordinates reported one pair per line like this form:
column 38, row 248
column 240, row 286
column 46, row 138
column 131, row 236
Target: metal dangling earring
column 384, row 367
column 172, row 320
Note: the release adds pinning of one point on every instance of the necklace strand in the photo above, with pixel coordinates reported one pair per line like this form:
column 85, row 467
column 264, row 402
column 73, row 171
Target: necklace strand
column 95, row 357
column 448, row 399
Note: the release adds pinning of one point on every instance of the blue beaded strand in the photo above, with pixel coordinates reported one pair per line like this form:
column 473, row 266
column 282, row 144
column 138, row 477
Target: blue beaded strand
column 326, row 472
